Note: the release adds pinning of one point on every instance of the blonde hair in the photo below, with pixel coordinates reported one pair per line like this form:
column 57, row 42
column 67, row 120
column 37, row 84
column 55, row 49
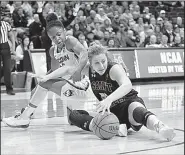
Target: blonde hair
column 96, row 49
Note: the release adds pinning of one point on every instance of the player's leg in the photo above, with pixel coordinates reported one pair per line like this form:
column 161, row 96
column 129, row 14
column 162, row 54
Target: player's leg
column 120, row 111
column 138, row 115
column 80, row 118
column 38, row 95
column 79, row 89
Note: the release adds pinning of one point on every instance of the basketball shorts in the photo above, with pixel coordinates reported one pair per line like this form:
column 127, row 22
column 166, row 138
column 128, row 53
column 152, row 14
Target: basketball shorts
column 121, row 111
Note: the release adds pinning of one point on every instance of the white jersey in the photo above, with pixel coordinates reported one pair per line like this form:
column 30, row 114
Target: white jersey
column 65, row 58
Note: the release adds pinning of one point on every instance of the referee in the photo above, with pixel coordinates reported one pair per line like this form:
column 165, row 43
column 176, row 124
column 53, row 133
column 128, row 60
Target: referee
column 5, row 54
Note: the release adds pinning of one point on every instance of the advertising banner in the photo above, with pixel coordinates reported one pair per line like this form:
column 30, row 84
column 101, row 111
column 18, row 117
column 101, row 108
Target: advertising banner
column 159, row 62
column 125, row 57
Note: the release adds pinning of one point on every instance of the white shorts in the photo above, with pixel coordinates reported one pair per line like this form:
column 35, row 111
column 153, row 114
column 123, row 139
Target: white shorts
column 69, row 92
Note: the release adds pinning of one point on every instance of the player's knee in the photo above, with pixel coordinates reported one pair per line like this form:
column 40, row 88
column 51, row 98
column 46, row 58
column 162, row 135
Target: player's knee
column 140, row 115
column 131, row 109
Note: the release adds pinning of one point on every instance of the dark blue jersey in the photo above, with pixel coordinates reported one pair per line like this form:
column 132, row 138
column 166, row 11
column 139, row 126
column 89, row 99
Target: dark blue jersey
column 103, row 85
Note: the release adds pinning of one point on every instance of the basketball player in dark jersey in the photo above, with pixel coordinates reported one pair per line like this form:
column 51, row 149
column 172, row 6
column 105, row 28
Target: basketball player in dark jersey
column 114, row 91
column 68, row 58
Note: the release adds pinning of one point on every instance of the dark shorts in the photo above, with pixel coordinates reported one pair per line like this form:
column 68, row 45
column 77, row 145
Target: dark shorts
column 121, row 111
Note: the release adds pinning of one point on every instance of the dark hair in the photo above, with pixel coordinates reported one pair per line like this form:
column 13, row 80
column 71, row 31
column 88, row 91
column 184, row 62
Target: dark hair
column 52, row 20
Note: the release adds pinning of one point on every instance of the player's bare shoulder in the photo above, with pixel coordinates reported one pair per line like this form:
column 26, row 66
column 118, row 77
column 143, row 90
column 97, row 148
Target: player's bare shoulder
column 51, row 51
column 71, row 42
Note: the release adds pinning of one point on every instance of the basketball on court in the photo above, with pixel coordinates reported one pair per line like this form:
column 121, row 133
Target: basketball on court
column 105, row 126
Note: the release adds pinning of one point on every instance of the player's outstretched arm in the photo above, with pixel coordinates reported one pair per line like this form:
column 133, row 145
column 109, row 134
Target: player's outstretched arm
column 118, row 74
column 82, row 54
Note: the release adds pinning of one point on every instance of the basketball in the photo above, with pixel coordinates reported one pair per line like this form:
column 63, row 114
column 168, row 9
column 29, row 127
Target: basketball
column 105, row 126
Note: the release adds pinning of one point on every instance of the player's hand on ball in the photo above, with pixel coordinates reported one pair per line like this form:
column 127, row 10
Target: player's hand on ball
column 103, row 106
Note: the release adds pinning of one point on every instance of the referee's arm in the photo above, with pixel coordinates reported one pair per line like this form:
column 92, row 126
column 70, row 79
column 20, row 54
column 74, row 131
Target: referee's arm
column 12, row 39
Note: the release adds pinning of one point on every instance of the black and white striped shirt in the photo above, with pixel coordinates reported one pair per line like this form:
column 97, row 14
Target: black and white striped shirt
column 5, row 28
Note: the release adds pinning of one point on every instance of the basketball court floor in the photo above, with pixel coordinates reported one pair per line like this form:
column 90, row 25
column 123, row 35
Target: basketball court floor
column 49, row 132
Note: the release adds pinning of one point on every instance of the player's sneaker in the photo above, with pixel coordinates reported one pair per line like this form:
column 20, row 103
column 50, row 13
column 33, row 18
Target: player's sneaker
column 69, row 110
column 122, row 132
column 165, row 131
column 84, row 83
column 17, row 121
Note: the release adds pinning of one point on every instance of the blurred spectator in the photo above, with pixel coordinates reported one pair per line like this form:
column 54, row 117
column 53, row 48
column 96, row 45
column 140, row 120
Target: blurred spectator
column 111, row 43
column 114, row 6
column 164, row 41
column 87, row 10
column 152, row 43
column 5, row 10
column 35, row 6
column 160, row 22
column 160, row 6
column 140, row 25
column 179, row 22
column 168, row 32
column 106, row 26
column 90, row 37
column 82, row 23
column 35, row 31
column 120, row 39
column 92, row 15
column 27, row 9
column 20, row 52
column 127, row 15
column 133, row 5
column 19, row 18
column 162, row 14
column 97, row 31
column 158, row 34
column 10, row 7
column 59, row 9
column 182, row 35
column 125, row 5
column 90, row 22
column 17, row 4
column 177, row 42
column 152, row 23
column 76, row 30
column 81, row 39
column 137, row 9
column 123, row 23
column 147, row 34
column 115, row 23
column 102, row 16
column 146, row 15
column 135, row 15
column 132, row 26
column 105, row 39
column 176, row 30
column 120, row 10
column 131, row 39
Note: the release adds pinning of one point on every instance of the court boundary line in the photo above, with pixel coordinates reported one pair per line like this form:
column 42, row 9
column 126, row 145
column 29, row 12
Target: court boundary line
column 155, row 148
column 128, row 152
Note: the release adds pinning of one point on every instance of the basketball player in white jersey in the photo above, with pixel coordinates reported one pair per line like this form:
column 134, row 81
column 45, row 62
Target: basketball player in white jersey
column 68, row 58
